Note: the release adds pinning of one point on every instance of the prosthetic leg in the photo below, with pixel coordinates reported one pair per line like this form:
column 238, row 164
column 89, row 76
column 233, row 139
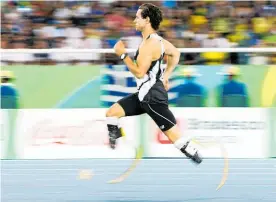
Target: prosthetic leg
column 187, row 147
column 114, row 133
column 191, row 152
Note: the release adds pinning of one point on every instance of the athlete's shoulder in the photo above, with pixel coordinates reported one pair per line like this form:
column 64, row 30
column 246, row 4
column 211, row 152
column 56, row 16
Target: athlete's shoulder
column 150, row 44
column 170, row 49
column 152, row 41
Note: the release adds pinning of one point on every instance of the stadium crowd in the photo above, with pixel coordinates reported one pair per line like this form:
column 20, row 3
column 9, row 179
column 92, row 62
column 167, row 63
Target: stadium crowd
column 99, row 24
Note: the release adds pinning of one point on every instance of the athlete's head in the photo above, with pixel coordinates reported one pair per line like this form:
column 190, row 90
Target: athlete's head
column 148, row 15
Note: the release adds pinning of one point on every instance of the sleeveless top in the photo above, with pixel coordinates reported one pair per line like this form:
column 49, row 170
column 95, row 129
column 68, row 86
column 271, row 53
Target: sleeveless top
column 150, row 87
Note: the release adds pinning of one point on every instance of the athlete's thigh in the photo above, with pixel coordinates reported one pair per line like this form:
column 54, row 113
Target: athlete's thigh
column 161, row 114
column 131, row 105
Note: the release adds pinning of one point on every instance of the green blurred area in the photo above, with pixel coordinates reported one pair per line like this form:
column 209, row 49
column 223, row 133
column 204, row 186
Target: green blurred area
column 79, row 86
column 46, row 86
column 253, row 77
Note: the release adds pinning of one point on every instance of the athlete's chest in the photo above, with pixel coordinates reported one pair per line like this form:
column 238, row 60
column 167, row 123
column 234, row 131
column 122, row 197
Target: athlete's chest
column 137, row 51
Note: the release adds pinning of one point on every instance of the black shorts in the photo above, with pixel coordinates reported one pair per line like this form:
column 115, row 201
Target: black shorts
column 160, row 113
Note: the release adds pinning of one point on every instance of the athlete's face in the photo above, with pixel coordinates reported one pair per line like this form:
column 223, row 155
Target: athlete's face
column 140, row 22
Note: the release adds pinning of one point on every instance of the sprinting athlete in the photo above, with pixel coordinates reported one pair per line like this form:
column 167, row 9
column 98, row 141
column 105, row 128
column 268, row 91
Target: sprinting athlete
column 152, row 82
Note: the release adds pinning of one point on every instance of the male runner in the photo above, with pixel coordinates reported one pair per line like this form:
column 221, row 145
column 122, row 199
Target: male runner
column 152, row 82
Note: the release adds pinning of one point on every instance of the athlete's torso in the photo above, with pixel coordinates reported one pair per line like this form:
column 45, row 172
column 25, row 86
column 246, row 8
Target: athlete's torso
column 150, row 87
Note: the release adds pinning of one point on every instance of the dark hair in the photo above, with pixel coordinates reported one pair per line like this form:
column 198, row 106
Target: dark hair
column 154, row 13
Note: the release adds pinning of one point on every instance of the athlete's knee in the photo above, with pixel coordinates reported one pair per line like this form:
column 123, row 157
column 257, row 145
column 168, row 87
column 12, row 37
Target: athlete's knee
column 115, row 111
column 109, row 113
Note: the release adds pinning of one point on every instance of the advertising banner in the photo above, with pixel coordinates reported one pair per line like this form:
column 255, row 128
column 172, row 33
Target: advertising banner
column 8, row 118
column 242, row 132
column 82, row 133
column 72, row 133
column 4, row 131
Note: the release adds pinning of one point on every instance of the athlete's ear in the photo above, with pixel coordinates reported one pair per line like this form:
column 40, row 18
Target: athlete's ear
column 148, row 19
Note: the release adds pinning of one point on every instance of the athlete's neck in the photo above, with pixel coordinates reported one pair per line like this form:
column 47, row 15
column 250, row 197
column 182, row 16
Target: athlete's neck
column 147, row 32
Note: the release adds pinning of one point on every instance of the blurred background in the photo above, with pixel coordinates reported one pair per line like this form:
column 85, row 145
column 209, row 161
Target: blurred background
column 99, row 24
column 95, row 24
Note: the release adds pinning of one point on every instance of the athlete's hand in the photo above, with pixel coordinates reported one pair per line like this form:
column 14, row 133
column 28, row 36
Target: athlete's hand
column 166, row 83
column 119, row 48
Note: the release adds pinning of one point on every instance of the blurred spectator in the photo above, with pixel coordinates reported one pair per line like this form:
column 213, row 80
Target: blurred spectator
column 190, row 93
column 189, row 42
column 9, row 94
column 232, row 93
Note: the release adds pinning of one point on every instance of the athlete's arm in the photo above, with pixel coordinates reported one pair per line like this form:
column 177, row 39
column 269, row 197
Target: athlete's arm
column 173, row 58
column 140, row 68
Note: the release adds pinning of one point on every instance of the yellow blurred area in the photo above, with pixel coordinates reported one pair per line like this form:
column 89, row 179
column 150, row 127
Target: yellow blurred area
column 268, row 92
column 271, row 20
column 214, row 57
column 261, row 25
column 273, row 59
column 198, row 20
column 237, row 36
column 221, row 25
column 241, row 27
column 92, row 34
column 24, row 3
column 201, row 11
column 166, row 23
